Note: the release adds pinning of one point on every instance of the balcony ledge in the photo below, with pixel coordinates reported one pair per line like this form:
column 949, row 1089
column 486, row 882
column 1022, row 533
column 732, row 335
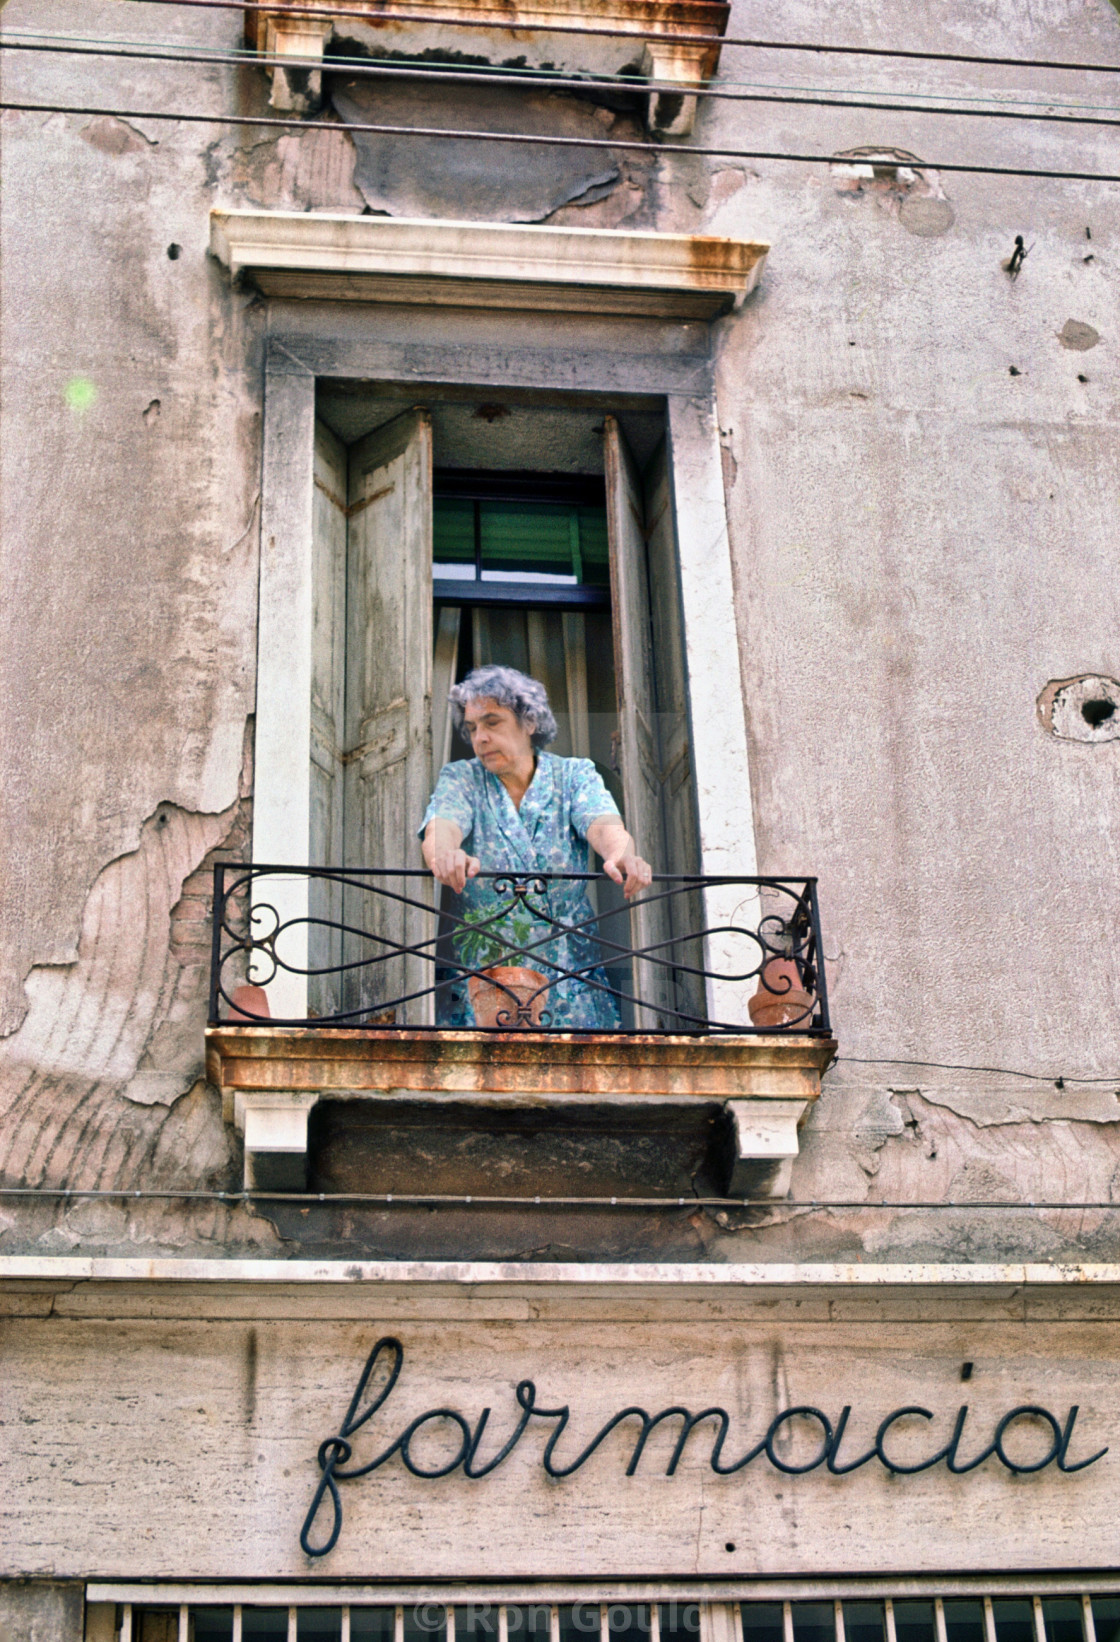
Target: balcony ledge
column 326, row 256
column 677, row 41
column 271, row 1077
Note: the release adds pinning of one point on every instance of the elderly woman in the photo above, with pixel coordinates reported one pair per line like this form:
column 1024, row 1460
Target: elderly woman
column 525, row 810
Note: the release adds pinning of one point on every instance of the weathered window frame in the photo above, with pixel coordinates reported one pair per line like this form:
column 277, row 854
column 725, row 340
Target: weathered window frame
column 649, row 347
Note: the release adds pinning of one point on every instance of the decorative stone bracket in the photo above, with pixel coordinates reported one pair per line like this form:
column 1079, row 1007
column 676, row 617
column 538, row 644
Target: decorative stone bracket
column 297, row 86
column 764, row 1145
column 273, row 1127
column 671, row 113
column 665, row 30
column 271, row 1078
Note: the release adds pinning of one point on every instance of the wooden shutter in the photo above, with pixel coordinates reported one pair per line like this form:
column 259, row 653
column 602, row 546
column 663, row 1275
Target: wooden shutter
column 674, row 740
column 388, row 706
column 640, row 770
column 328, row 680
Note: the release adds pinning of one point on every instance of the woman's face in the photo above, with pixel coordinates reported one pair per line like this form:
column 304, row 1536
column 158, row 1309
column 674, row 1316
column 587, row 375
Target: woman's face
column 499, row 739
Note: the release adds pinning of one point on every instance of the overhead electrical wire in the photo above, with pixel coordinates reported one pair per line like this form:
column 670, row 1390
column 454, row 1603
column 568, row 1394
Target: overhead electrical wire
column 357, row 68
column 470, row 1200
column 338, row 63
column 1059, row 1082
column 524, row 139
column 331, row 12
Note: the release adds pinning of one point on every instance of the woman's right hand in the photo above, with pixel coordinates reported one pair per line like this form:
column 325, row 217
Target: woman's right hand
column 448, row 863
column 453, row 867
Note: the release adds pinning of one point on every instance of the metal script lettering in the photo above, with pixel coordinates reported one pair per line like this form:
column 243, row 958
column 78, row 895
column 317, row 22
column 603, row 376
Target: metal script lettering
column 336, row 1452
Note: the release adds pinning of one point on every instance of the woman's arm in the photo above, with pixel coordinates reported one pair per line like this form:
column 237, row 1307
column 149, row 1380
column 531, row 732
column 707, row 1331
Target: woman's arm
column 610, row 840
column 443, row 857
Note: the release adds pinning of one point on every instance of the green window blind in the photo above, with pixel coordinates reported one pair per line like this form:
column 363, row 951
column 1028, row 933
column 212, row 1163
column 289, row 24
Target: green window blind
column 512, row 540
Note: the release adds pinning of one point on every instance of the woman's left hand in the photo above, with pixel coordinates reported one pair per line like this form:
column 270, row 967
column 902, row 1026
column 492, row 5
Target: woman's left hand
column 630, row 871
column 621, row 861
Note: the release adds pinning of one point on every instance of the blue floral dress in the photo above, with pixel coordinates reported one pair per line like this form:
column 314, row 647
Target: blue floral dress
column 547, row 834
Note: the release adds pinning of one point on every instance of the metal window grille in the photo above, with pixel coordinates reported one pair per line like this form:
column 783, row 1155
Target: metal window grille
column 1047, row 1609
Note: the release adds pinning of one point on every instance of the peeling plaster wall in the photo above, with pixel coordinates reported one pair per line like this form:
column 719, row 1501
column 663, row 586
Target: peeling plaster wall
column 920, row 456
column 130, row 458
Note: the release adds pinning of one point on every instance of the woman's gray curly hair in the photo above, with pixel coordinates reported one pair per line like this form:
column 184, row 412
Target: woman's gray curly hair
column 526, row 698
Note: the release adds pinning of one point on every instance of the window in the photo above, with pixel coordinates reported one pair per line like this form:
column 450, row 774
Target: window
column 422, row 1621
column 425, row 564
column 1065, row 1613
column 521, row 577
column 534, row 538
column 565, row 364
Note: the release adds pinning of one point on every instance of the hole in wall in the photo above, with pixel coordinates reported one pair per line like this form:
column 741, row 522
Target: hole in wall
column 174, row 251
column 1083, row 708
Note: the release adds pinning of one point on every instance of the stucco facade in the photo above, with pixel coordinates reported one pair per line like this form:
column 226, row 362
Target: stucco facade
column 893, row 467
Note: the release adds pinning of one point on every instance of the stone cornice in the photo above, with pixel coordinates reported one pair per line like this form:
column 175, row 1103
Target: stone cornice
column 486, row 265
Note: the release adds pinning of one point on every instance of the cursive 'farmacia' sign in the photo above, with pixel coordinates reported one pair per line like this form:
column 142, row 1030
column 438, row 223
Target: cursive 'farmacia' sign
column 336, row 1452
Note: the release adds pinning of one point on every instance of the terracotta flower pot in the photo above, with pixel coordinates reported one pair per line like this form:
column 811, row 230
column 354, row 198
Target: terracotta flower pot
column 780, row 999
column 502, row 992
column 249, row 1003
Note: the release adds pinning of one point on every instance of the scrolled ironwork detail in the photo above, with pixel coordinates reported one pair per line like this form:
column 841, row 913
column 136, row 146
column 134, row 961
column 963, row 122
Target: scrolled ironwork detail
column 378, row 949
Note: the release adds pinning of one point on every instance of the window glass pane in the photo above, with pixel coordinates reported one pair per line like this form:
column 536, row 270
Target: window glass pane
column 264, row 1624
column 372, row 1624
column 628, row 1621
column 521, row 539
column 580, row 1622
column 478, row 1621
column 762, row 1621
column 1062, row 1615
column 212, row 1624
column 1014, row 1619
column 452, row 534
column 964, row 1621
column 425, row 1622
column 153, row 1625
column 680, row 1621
column 319, row 1624
column 813, row 1622
column 1106, row 1618
column 914, row 1622
column 864, row 1622
column 527, row 539
column 529, row 1623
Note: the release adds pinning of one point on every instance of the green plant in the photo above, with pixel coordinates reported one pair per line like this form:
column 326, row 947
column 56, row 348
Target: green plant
column 488, row 936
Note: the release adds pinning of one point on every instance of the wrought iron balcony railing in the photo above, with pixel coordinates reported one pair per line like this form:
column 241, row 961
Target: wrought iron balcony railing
column 384, row 949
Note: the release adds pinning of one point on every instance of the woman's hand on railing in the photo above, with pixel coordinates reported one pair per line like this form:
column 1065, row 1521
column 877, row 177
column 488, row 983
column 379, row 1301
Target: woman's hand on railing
column 621, row 862
column 454, row 867
column 447, row 862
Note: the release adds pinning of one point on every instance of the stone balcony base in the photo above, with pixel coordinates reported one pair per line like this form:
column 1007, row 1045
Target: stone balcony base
column 271, row 1077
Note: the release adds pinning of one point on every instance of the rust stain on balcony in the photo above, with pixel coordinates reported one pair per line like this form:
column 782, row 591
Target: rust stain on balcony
column 361, row 1062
